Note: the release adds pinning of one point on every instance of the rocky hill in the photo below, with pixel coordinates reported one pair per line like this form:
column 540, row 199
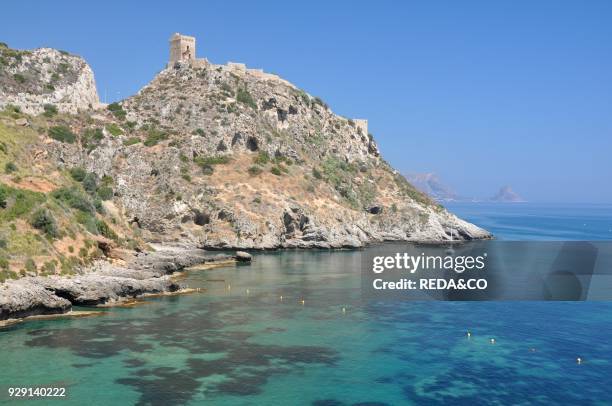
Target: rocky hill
column 216, row 156
column 45, row 77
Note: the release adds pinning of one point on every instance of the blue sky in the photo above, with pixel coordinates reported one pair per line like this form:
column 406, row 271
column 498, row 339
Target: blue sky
column 484, row 93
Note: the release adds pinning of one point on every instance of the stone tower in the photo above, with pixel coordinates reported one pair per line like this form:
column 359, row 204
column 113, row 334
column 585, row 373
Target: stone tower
column 182, row 48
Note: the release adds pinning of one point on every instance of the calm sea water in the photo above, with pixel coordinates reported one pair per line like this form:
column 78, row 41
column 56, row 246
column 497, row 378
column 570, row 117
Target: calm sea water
column 250, row 340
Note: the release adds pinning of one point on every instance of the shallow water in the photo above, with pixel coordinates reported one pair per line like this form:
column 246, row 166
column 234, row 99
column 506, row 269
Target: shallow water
column 240, row 343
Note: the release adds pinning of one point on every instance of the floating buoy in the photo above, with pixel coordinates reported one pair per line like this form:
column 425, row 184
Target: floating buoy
column 468, row 334
column 344, row 310
column 532, row 349
column 492, row 341
column 302, row 302
column 578, row 360
column 281, row 298
column 247, row 291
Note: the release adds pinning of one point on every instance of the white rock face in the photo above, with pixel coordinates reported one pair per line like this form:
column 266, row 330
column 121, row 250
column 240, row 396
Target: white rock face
column 31, row 79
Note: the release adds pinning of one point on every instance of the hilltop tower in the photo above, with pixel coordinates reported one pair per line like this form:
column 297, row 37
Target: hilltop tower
column 182, row 48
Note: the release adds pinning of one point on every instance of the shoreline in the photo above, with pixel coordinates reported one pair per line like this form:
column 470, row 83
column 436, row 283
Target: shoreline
column 103, row 285
column 146, row 274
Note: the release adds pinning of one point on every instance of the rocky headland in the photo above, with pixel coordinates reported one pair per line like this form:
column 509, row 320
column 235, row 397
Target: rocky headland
column 205, row 156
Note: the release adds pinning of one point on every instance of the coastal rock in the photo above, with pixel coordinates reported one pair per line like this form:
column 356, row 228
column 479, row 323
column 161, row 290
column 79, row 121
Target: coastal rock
column 242, row 256
column 93, row 289
column 24, row 297
column 101, row 283
column 45, row 76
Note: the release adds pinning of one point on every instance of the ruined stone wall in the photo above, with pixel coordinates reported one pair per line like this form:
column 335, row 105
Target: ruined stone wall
column 362, row 125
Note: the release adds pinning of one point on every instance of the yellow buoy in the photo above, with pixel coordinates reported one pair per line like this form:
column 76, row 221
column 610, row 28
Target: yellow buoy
column 302, row 302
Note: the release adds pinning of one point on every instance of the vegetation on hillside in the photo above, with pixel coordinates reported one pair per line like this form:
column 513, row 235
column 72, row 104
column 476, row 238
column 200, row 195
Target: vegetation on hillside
column 61, row 226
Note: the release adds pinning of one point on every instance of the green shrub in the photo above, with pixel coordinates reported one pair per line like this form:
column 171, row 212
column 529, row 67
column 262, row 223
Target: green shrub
column 62, row 133
column 87, row 220
column 255, row 170
column 117, row 110
column 98, row 206
column 10, row 167
column 50, row 110
column 105, row 230
column 154, row 136
column 276, row 171
column 105, row 193
column 4, row 264
column 90, row 183
column 316, row 173
column 49, row 267
column 262, row 158
column 19, row 78
column 11, row 108
column 305, row 99
column 91, row 138
column 212, row 160
column 114, row 129
column 78, row 174
column 44, row 221
column 207, row 169
column 243, row 96
column 199, row 132
column 3, row 197
column 74, row 198
column 30, row 265
column 18, row 202
column 317, row 100
column 106, row 180
column 227, row 88
column 131, row 141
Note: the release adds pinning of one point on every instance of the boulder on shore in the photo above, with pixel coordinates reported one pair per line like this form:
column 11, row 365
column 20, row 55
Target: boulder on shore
column 242, row 256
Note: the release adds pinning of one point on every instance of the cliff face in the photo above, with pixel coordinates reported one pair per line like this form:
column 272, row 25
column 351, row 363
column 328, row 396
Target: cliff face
column 33, row 79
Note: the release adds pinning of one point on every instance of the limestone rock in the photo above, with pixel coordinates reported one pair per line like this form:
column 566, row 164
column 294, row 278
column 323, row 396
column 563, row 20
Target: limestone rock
column 242, row 256
column 22, row 298
column 32, row 79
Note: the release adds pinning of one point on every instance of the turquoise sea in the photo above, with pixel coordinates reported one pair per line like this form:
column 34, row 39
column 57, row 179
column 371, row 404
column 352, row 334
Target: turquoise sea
column 292, row 329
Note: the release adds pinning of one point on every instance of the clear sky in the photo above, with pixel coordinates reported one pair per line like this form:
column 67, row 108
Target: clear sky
column 484, row 93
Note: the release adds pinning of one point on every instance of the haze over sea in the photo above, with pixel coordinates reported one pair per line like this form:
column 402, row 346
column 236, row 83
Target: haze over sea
column 249, row 338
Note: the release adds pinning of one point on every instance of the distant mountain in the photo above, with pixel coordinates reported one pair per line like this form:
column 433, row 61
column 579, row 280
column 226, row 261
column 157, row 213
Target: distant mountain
column 507, row 195
column 430, row 184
